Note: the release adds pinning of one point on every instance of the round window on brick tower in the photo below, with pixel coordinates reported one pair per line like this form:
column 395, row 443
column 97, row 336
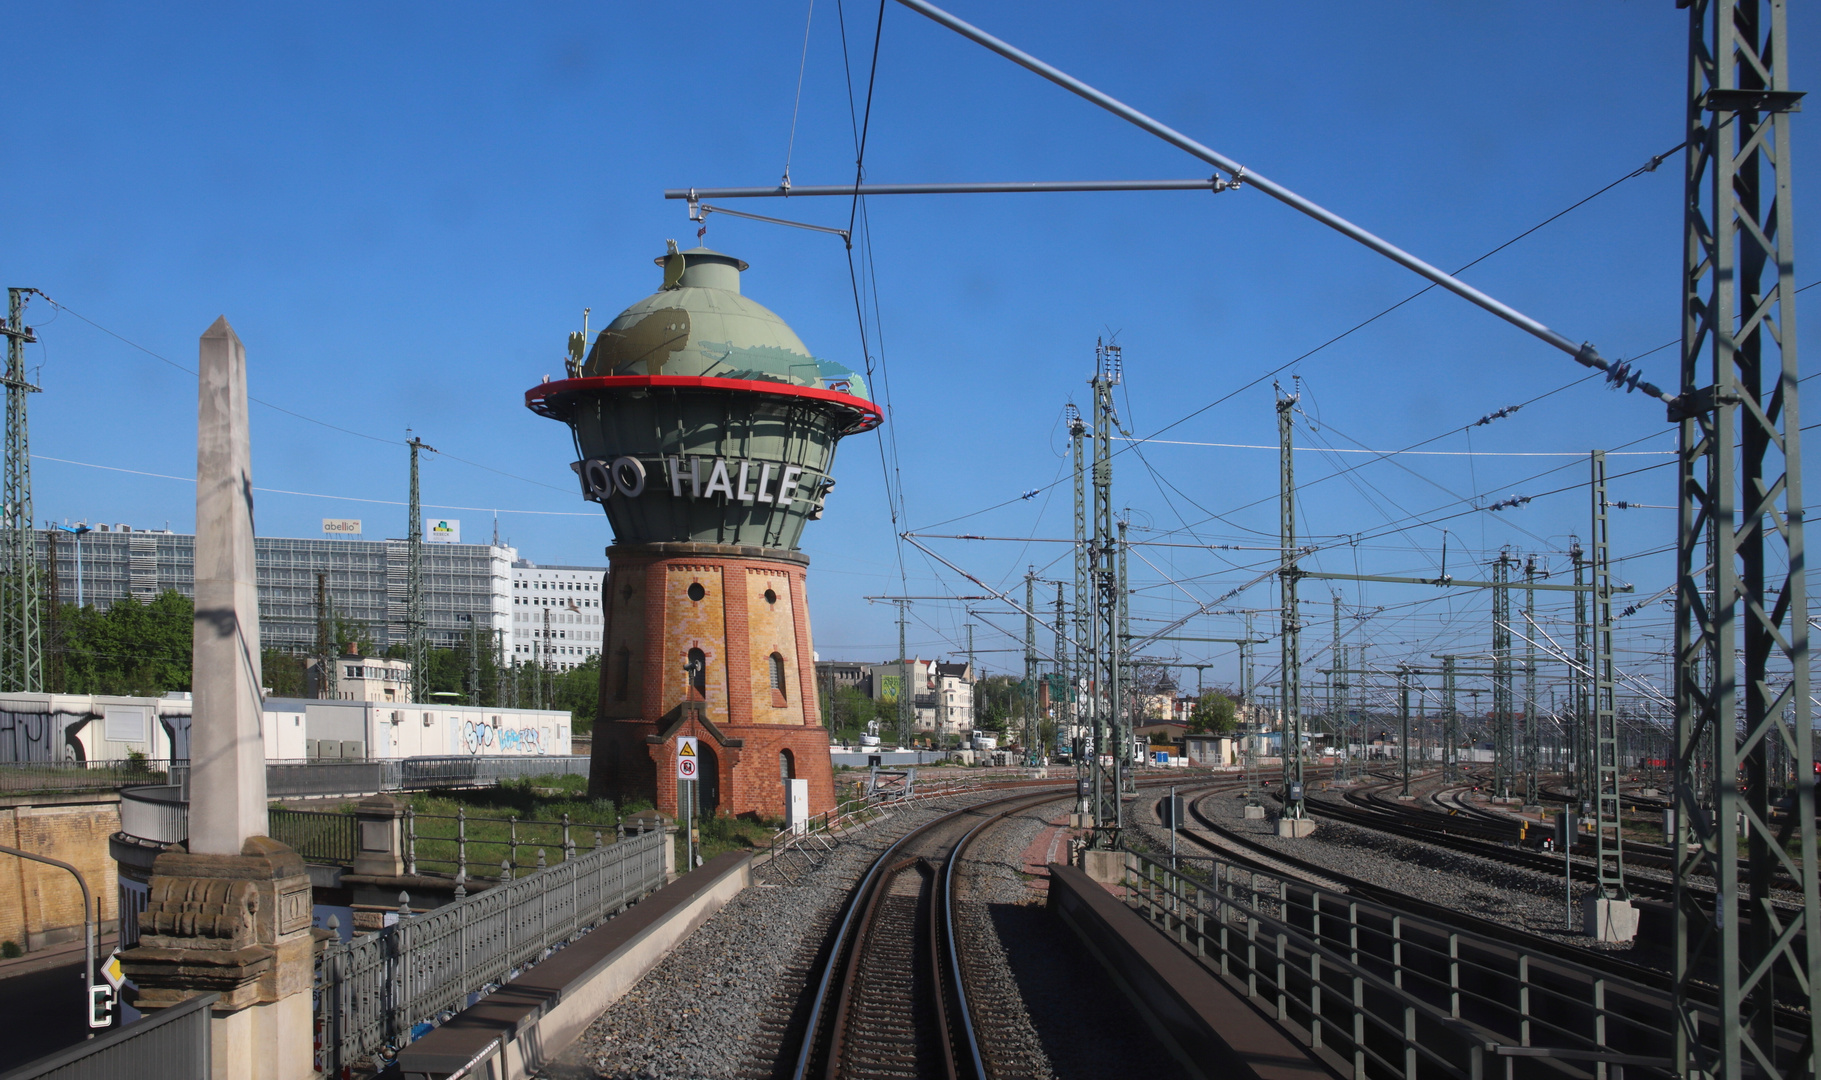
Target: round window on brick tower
column 771, row 597
column 696, row 592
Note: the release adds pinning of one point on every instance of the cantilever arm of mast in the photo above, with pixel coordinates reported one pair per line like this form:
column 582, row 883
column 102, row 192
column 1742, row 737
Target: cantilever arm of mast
column 1454, row 583
column 1013, row 187
column 1618, row 373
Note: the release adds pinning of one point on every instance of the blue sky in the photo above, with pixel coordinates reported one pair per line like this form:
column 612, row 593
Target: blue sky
column 403, row 211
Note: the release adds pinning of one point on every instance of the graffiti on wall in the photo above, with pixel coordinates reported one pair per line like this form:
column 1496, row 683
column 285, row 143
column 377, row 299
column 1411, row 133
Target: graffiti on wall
column 479, row 737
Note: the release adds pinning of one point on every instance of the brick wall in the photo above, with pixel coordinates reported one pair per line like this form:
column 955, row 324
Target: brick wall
column 650, row 612
column 40, row 905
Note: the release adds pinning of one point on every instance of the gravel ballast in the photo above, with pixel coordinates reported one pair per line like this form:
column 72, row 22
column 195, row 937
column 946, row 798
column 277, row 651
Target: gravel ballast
column 1044, row 1007
column 729, row 999
column 1511, row 895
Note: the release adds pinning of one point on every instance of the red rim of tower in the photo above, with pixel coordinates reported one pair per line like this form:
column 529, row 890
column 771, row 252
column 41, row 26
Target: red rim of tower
column 549, row 399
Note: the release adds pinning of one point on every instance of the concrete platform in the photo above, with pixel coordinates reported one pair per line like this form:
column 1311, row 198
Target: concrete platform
column 1295, row 828
column 525, row 1024
column 1207, row 1026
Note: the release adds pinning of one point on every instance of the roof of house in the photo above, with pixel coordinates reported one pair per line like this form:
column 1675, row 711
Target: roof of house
column 951, row 669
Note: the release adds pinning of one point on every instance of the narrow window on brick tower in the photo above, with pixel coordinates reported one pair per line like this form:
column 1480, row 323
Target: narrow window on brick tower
column 698, row 675
column 777, row 679
column 623, row 680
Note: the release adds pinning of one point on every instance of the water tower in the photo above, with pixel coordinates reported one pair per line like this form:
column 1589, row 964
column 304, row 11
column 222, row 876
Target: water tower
column 706, row 430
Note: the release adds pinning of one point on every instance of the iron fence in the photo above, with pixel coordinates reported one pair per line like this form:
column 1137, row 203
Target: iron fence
column 57, row 776
column 380, row 991
column 317, row 836
column 289, row 779
column 1374, row 993
column 170, row 1044
column 461, row 842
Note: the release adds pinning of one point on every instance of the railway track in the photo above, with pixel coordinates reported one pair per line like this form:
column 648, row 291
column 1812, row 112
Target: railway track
column 1654, row 984
column 896, row 993
column 890, row 999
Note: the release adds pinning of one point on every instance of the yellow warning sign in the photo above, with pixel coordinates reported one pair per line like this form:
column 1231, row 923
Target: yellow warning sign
column 688, row 749
column 686, row 757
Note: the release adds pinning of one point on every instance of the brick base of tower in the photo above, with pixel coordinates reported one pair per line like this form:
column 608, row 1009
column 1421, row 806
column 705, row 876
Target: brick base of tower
column 710, row 641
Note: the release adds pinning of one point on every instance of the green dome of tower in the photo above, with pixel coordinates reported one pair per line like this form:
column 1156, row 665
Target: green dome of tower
column 699, row 325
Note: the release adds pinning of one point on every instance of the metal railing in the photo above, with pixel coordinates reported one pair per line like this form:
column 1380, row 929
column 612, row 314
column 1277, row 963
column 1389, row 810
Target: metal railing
column 378, row 992
column 170, row 1044
column 290, row 779
column 445, row 840
column 159, row 813
column 317, row 836
column 57, row 776
column 1376, row 994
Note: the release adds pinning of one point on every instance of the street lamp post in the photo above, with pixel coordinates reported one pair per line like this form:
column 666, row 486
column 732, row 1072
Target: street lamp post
column 77, row 532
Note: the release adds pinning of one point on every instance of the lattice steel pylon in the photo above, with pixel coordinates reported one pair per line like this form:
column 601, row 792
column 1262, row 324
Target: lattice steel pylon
column 1609, row 840
column 1031, row 726
column 1740, row 512
column 417, row 647
column 1531, row 741
column 1451, row 729
column 1290, row 697
column 1085, row 750
column 1503, row 764
column 1579, row 681
column 1109, row 810
column 21, row 645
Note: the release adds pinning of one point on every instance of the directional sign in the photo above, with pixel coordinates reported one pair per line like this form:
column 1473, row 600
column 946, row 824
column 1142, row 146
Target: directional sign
column 686, row 757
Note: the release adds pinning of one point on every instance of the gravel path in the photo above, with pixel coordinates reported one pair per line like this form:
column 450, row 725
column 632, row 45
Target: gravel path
column 1046, row 1008
column 710, row 1010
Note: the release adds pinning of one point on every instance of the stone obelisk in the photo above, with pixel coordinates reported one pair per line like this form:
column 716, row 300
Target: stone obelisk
column 226, row 743
column 229, row 911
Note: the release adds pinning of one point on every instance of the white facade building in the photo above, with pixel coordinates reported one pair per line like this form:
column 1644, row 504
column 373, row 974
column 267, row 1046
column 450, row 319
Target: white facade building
column 300, row 728
column 571, row 598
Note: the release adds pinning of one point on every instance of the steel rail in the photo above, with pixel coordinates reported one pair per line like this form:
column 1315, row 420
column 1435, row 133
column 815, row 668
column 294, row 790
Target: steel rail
column 1651, row 978
column 1585, row 354
column 848, row 939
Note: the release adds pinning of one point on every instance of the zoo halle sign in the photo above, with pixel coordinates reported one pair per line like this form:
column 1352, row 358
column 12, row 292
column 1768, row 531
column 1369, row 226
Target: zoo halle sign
column 732, row 479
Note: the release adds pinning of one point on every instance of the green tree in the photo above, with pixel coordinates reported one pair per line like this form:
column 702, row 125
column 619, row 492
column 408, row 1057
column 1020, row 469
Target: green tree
column 132, row 648
column 1214, row 714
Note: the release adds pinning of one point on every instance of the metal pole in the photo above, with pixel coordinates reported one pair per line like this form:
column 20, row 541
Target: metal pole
column 21, row 648
column 1403, row 711
column 1504, row 764
column 1530, row 732
column 1608, row 813
column 1011, row 187
column 88, row 925
column 1030, row 667
column 1290, row 696
column 905, row 701
column 417, row 648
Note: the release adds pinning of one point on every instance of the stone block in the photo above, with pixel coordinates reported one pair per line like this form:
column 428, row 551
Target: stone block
column 1293, row 828
column 1106, row 867
column 1081, row 821
column 1609, row 920
column 1254, row 812
column 380, row 828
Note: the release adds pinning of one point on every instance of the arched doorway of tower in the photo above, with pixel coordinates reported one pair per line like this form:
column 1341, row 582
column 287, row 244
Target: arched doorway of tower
column 787, row 771
column 708, row 795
